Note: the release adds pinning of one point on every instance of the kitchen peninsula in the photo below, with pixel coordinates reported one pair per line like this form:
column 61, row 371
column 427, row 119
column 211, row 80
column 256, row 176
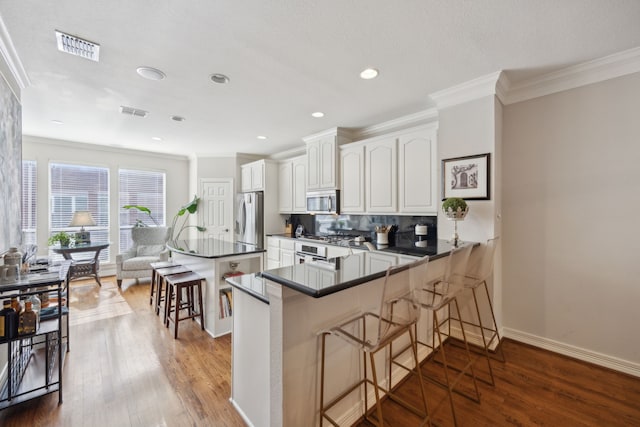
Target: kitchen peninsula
column 213, row 259
column 278, row 316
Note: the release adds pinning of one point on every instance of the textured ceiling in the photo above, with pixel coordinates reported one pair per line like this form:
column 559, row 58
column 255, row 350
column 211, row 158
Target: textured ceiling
column 286, row 59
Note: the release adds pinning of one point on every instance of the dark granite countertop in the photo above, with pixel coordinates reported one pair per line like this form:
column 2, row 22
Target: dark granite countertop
column 323, row 278
column 253, row 284
column 212, row 248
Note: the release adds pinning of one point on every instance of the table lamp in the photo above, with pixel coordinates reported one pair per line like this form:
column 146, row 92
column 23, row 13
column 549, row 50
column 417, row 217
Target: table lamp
column 80, row 219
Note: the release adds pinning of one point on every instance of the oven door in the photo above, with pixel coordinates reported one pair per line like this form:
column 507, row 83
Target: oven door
column 301, row 258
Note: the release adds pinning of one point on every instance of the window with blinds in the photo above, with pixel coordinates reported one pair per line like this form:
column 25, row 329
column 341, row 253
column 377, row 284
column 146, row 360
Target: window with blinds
column 74, row 188
column 140, row 188
column 29, row 190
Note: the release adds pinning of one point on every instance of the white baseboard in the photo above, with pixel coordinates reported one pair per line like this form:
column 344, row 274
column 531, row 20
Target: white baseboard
column 242, row 414
column 585, row 355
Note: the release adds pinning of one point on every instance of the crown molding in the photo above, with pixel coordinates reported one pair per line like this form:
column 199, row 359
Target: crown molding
column 597, row 70
column 337, row 131
column 467, row 91
column 421, row 117
column 290, row 153
column 11, row 58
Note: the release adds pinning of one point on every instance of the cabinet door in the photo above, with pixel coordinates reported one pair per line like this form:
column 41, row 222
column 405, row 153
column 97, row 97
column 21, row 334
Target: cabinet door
column 416, row 169
column 285, row 187
column 245, row 171
column 273, row 252
column 313, row 165
column 381, row 176
column 352, row 180
column 257, row 176
column 377, row 261
column 286, row 258
column 328, row 162
column 299, row 166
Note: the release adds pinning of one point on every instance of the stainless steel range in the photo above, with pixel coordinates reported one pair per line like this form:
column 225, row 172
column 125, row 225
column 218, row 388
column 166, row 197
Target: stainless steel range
column 309, row 251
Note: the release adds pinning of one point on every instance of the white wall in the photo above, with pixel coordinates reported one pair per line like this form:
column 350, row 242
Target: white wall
column 467, row 129
column 571, row 244
column 45, row 151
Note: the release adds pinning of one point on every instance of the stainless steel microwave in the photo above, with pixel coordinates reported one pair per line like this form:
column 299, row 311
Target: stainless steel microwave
column 323, row 202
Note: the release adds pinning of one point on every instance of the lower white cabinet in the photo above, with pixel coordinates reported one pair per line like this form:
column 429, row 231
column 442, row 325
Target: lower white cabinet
column 280, row 252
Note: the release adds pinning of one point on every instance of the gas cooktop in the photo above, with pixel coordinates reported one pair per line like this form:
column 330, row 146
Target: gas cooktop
column 333, row 238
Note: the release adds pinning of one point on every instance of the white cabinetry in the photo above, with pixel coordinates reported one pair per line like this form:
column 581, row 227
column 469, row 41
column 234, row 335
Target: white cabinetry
column 322, row 158
column 381, row 180
column 352, row 186
column 273, row 253
column 292, row 180
column 285, row 187
column 287, row 252
column 253, row 176
column 393, row 173
column 280, row 252
column 417, row 179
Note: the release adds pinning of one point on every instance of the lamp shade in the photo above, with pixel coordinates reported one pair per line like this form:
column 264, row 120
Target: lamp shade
column 81, row 219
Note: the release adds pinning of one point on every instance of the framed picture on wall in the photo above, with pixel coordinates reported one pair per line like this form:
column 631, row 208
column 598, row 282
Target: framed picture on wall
column 466, row 177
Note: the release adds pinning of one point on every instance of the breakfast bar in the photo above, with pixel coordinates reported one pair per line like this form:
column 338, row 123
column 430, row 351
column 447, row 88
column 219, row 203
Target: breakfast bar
column 278, row 316
column 213, row 259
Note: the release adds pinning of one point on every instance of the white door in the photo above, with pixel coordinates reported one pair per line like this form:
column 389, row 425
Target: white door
column 217, row 208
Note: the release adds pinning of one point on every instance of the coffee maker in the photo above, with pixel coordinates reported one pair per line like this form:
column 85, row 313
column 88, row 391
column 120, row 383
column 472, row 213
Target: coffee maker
column 420, row 235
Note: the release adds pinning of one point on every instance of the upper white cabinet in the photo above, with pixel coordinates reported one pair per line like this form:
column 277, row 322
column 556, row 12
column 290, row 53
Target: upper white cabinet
column 285, row 187
column 322, row 158
column 292, row 177
column 417, row 180
column 381, row 182
column 393, row 173
column 253, row 176
column 352, row 179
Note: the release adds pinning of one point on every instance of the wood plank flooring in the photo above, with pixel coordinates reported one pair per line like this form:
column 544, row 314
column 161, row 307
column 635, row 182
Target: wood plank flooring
column 127, row 370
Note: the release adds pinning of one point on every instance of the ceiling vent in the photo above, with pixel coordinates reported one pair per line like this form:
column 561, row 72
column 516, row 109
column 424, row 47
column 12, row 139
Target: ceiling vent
column 77, row 46
column 130, row 111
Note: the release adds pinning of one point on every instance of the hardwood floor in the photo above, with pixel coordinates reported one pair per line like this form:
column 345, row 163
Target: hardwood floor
column 127, row 370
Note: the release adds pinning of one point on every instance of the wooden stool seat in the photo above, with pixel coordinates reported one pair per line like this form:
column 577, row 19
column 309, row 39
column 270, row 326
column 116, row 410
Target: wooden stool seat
column 175, row 284
column 155, row 266
column 161, row 275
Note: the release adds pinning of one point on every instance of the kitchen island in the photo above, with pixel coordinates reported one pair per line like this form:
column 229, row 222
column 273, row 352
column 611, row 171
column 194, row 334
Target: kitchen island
column 214, row 259
column 279, row 314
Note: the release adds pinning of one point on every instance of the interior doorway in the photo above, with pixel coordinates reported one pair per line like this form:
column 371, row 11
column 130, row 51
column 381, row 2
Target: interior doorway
column 217, row 207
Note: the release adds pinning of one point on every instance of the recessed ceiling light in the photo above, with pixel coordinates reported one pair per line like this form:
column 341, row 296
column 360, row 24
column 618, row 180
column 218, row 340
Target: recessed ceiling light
column 369, row 73
column 219, row 78
column 150, row 73
column 178, row 118
column 261, row 137
column 156, row 138
column 57, row 122
column 318, row 114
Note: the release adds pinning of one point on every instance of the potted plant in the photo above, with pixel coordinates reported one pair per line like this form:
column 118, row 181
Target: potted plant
column 61, row 237
column 189, row 208
column 455, row 208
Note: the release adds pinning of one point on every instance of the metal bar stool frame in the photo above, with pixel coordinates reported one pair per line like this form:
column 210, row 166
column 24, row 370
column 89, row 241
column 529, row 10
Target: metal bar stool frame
column 390, row 327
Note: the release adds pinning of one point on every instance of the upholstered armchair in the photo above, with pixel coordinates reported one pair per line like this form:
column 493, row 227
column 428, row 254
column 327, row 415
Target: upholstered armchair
column 148, row 246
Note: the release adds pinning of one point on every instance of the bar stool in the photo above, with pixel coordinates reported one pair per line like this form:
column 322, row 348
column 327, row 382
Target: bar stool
column 177, row 283
column 154, row 267
column 435, row 296
column 161, row 275
column 476, row 276
column 373, row 331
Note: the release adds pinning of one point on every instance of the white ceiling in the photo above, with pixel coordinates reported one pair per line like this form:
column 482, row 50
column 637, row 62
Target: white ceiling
column 286, row 59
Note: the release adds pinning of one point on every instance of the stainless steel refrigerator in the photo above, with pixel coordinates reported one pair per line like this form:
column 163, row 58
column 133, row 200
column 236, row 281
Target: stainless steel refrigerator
column 249, row 227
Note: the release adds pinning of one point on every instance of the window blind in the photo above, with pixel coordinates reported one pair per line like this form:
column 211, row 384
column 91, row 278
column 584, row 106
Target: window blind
column 29, row 207
column 140, row 188
column 79, row 187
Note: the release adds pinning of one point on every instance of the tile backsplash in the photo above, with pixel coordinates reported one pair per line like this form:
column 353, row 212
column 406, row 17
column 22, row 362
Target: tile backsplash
column 365, row 225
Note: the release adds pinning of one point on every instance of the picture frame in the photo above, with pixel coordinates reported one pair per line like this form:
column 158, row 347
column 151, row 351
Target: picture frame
column 466, row 177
